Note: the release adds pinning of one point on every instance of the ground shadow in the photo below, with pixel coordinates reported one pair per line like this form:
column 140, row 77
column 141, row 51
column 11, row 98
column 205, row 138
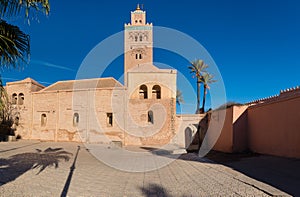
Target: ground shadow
column 69, row 179
column 2, row 151
column 226, row 158
column 190, row 156
column 154, row 190
column 281, row 173
column 14, row 166
column 156, row 151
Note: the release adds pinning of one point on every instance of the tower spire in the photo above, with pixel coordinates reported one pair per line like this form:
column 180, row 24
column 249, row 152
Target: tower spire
column 138, row 7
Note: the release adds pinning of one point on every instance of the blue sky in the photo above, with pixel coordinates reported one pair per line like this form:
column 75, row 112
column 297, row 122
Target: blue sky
column 255, row 44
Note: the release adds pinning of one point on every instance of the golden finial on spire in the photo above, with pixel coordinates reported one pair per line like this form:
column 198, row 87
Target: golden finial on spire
column 138, row 7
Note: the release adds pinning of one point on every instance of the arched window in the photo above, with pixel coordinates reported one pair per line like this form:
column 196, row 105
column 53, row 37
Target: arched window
column 14, row 99
column 21, row 99
column 156, row 93
column 143, row 92
column 140, row 56
column 140, row 21
column 75, row 119
column 43, row 120
column 141, row 38
column 150, row 117
column 136, row 56
column 136, row 38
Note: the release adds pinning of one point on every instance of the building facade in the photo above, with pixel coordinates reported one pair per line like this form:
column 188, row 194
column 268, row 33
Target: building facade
column 101, row 110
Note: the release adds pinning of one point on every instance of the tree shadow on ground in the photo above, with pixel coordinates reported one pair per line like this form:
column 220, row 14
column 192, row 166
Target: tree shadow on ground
column 14, row 166
column 154, row 190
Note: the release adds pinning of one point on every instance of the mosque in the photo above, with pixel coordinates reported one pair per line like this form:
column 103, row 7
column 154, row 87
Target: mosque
column 102, row 110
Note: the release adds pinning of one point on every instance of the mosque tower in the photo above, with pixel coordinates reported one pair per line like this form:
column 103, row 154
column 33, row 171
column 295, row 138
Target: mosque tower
column 138, row 42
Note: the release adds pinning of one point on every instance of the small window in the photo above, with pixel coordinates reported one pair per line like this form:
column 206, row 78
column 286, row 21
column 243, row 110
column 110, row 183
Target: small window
column 143, row 92
column 140, row 21
column 75, row 119
column 136, row 38
column 150, row 117
column 136, row 21
column 136, row 56
column 14, row 99
column 109, row 117
column 43, row 120
column 141, row 38
column 140, row 56
column 156, row 93
column 21, row 99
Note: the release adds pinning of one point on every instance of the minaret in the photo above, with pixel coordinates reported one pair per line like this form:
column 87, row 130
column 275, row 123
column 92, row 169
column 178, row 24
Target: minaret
column 138, row 42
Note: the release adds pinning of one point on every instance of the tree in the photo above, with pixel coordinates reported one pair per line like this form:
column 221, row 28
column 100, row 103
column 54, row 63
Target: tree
column 14, row 43
column 206, row 79
column 7, row 113
column 3, row 101
column 198, row 67
column 179, row 97
column 14, row 46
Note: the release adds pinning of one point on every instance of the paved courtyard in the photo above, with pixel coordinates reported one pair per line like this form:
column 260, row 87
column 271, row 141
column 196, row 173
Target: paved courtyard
column 33, row 168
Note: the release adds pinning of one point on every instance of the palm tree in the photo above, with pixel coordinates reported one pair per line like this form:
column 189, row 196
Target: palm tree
column 206, row 79
column 14, row 43
column 198, row 67
column 179, row 97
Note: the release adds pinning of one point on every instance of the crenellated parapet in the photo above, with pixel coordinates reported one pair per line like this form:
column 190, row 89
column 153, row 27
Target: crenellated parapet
column 129, row 24
column 286, row 93
column 263, row 100
column 290, row 91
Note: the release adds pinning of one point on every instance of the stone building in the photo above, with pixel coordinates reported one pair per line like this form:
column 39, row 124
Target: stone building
column 140, row 112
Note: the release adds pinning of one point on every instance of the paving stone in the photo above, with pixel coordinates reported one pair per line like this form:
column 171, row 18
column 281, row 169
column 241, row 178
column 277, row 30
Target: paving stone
column 90, row 177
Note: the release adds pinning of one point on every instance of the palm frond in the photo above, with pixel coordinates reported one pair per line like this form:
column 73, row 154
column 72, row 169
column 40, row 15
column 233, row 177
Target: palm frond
column 9, row 8
column 14, row 46
column 207, row 78
column 179, row 97
column 199, row 68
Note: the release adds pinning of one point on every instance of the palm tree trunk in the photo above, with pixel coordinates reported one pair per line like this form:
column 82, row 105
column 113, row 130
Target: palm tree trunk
column 198, row 98
column 204, row 97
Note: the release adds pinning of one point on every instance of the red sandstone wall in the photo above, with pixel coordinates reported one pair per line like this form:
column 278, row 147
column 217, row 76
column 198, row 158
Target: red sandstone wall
column 233, row 137
column 225, row 140
column 240, row 131
column 274, row 128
